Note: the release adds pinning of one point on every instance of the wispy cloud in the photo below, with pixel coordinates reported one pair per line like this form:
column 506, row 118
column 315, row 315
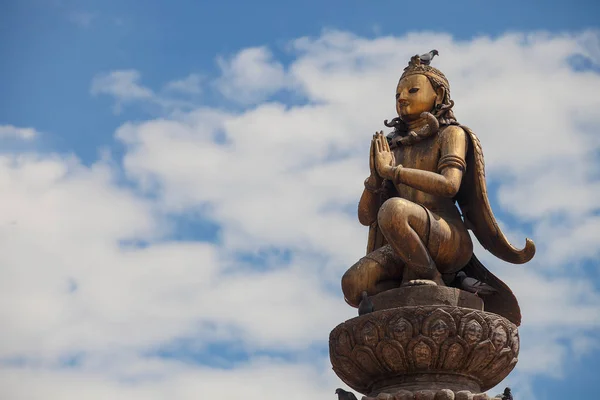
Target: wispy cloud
column 83, row 19
column 189, row 85
column 10, row 131
column 124, row 86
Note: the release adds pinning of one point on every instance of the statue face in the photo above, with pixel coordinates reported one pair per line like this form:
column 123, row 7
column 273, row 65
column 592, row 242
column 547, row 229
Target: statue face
column 414, row 95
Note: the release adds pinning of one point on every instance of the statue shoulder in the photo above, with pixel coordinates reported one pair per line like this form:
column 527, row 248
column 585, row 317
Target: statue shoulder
column 453, row 131
column 453, row 138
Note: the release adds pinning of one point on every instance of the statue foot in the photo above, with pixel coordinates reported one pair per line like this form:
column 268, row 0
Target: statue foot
column 419, row 282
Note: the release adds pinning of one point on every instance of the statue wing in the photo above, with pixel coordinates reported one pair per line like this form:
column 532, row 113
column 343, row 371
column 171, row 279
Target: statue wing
column 477, row 213
column 503, row 302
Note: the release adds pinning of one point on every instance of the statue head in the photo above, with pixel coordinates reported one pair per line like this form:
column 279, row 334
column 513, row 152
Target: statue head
column 423, row 88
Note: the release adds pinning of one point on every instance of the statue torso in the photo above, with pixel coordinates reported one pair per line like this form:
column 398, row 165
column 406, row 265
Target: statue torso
column 425, row 155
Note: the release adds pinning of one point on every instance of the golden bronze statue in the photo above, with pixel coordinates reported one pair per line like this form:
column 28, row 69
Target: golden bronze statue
column 420, row 173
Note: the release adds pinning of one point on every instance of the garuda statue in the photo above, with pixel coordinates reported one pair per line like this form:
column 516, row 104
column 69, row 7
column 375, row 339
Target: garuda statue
column 421, row 173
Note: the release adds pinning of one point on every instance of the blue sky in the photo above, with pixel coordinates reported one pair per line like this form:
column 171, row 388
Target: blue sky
column 180, row 152
column 53, row 48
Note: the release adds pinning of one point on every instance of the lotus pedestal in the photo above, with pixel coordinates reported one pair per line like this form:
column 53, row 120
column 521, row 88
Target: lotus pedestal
column 409, row 349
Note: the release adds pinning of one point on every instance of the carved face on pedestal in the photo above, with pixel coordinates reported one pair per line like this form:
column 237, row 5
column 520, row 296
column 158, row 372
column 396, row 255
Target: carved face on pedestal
column 415, row 94
column 473, row 332
column 499, row 337
column 439, row 331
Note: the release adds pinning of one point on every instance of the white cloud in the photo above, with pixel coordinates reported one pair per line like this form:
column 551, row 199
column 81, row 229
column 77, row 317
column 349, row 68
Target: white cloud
column 189, row 85
column 280, row 177
column 251, row 75
column 10, row 131
column 122, row 85
column 590, row 42
column 266, row 379
column 69, row 221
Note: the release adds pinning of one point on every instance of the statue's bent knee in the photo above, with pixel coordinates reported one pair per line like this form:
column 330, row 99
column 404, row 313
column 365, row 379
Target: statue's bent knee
column 351, row 287
column 362, row 276
column 393, row 209
column 376, row 272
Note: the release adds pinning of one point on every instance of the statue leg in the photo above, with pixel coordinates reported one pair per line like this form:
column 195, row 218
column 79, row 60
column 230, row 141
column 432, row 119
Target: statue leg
column 406, row 225
column 377, row 272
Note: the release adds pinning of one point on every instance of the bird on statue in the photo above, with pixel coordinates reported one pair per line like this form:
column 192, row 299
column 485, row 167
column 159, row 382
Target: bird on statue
column 343, row 395
column 473, row 285
column 365, row 306
column 427, row 57
column 507, row 395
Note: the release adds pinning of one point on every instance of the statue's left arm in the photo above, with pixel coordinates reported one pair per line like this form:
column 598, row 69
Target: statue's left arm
column 451, row 166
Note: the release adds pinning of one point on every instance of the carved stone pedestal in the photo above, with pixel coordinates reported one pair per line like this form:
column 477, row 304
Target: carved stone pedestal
column 448, row 350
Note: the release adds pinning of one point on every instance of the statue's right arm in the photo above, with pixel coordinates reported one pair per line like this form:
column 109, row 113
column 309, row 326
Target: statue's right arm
column 368, row 206
column 370, row 201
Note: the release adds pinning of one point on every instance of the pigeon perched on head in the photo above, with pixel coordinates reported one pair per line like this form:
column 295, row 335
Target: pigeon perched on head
column 365, row 306
column 507, row 395
column 473, row 285
column 343, row 395
column 427, row 57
